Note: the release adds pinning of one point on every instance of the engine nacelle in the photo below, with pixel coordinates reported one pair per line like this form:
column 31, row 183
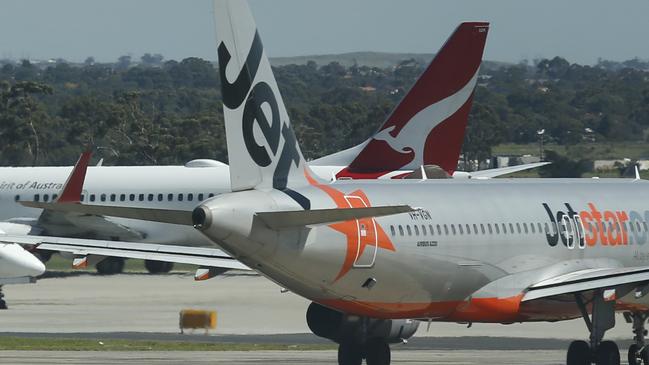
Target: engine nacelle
column 340, row 327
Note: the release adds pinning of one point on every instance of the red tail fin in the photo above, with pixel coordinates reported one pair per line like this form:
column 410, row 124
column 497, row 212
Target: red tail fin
column 428, row 125
column 74, row 185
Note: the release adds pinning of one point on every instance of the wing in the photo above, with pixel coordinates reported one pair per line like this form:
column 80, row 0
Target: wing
column 587, row 280
column 201, row 256
column 489, row 173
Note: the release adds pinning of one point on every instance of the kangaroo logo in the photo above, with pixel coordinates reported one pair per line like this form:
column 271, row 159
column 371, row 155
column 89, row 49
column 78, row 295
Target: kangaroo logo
column 411, row 139
column 262, row 109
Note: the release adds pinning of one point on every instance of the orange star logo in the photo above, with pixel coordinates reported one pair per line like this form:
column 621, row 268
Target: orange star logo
column 360, row 233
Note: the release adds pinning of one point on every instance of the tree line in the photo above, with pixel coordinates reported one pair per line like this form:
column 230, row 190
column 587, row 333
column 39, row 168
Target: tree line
column 170, row 112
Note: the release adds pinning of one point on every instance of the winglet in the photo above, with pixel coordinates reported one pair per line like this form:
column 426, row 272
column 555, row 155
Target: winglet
column 74, row 185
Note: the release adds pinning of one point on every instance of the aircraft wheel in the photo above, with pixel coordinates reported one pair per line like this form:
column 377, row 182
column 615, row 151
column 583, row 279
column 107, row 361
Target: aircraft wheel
column 607, row 354
column 633, row 355
column 349, row 354
column 377, row 353
column 578, row 353
column 158, row 267
column 3, row 304
column 110, row 266
column 644, row 355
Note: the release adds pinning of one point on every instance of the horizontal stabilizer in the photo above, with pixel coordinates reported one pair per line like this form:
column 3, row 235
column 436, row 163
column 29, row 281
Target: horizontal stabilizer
column 300, row 218
column 201, row 256
column 155, row 215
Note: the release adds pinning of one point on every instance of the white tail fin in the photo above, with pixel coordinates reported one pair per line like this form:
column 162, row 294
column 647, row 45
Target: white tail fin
column 262, row 148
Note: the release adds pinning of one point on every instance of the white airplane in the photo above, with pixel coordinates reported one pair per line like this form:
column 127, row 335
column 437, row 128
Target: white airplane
column 17, row 266
column 425, row 129
column 373, row 255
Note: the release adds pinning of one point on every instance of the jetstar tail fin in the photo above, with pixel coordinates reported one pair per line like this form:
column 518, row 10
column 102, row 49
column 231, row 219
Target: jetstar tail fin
column 427, row 127
column 262, row 148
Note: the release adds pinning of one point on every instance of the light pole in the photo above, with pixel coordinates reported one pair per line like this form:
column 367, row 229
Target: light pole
column 541, row 133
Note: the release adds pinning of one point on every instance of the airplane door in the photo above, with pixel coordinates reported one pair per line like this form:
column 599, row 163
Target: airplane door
column 367, row 239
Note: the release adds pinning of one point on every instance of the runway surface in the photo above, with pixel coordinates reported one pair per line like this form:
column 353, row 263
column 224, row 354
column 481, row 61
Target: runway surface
column 246, row 304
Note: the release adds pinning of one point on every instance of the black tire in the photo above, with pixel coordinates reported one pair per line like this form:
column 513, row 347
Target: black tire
column 349, row 354
column 377, row 352
column 3, row 304
column 578, row 353
column 607, row 354
column 110, row 266
column 43, row 255
column 158, row 267
column 633, row 355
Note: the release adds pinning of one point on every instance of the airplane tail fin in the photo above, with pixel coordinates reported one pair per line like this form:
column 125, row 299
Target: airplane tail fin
column 262, row 147
column 427, row 127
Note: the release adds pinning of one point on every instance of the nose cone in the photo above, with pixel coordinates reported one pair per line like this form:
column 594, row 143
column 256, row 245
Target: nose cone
column 16, row 262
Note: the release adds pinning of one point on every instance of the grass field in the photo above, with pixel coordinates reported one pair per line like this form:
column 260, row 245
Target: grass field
column 590, row 151
column 65, row 344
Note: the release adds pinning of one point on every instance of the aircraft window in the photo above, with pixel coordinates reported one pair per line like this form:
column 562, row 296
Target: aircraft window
column 170, row 197
column 445, row 229
column 504, row 228
column 644, row 224
column 497, row 229
column 439, row 230
column 409, row 230
column 54, row 197
column 538, row 225
column 453, row 229
column 190, row 197
column 416, row 230
column 150, row 197
column 430, row 228
column 532, row 227
column 489, row 227
column 92, row 197
column 83, row 197
column 423, row 229
column 102, row 197
column 547, row 228
column 400, row 230
column 180, row 197
column 518, row 228
column 210, row 195
column 511, row 228
column 160, row 197
column 482, row 228
column 630, row 227
column 46, row 197
column 17, row 198
column 459, row 227
column 122, row 197
column 112, row 197
column 131, row 197
column 639, row 226
column 140, row 197
column 200, row 197
column 392, row 231
column 37, row 197
column 475, row 228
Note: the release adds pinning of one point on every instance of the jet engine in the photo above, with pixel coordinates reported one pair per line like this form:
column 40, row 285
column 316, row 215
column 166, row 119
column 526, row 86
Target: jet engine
column 346, row 328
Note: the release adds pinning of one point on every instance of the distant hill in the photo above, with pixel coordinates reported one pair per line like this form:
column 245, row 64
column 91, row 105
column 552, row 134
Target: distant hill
column 371, row 59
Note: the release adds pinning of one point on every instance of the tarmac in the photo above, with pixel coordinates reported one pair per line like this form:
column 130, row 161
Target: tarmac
column 251, row 309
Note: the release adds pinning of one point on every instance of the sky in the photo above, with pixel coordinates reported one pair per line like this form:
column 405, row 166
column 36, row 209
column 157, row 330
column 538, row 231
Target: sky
column 579, row 30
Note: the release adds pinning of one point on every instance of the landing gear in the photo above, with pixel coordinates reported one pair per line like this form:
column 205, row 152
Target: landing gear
column 638, row 352
column 375, row 352
column 350, row 354
column 3, row 304
column 110, row 266
column 602, row 319
column 158, row 267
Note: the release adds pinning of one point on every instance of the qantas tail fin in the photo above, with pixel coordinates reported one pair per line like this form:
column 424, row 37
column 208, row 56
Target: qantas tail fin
column 262, row 148
column 427, row 127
